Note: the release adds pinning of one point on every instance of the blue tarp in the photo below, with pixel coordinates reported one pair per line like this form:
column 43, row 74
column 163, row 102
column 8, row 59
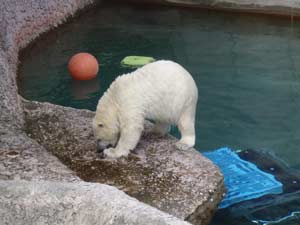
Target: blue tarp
column 243, row 180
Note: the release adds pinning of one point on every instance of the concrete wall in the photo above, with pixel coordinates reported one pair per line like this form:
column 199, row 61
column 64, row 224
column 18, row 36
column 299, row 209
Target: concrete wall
column 276, row 7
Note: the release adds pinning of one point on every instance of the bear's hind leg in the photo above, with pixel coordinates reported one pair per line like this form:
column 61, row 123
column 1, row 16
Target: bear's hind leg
column 186, row 126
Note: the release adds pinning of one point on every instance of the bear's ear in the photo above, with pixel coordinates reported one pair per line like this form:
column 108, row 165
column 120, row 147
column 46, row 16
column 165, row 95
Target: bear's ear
column 100, row 125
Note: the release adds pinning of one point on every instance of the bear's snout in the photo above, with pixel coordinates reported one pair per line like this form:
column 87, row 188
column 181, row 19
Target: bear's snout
column 102, row 146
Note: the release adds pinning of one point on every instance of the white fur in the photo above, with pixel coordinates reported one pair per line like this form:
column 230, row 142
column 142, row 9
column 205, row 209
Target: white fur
column 162, row 91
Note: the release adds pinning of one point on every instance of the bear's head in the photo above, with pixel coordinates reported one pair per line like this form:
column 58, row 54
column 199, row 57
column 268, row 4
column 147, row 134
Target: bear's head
column 106, row 129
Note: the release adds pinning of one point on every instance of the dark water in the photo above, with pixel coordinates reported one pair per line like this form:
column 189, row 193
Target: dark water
column 247, row 69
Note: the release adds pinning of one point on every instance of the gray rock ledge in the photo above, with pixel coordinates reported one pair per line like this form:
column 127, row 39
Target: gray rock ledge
column 182, row 183
column 68, row 203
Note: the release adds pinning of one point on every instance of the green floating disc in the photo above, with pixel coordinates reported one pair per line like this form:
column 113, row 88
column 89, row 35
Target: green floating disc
column 136, row 61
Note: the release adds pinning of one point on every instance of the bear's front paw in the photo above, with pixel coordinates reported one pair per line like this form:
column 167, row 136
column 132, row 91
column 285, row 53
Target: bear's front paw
column 181, row 146
column 113, row 153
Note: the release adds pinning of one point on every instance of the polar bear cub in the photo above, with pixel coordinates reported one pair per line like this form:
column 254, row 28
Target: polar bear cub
column 162, row 91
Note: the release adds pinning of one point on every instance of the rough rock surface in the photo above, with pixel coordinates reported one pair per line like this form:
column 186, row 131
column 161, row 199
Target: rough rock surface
column 182, row 183
column 21, row 22
column 51, row 186
column 23, row 158
column 277, row 7
column 68, row 203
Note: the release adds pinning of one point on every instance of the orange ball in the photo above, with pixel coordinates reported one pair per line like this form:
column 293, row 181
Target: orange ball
column 83, row 66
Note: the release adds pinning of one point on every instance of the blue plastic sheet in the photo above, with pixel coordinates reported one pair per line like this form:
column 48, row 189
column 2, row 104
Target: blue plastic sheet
column 243, row 180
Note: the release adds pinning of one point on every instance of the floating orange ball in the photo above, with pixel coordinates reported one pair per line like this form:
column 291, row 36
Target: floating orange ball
column 83, row 66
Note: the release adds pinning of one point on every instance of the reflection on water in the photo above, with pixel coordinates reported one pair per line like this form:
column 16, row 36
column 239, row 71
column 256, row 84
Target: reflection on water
column 82, row 89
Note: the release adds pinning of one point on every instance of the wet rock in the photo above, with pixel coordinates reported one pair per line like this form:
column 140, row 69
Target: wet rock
column 182, row 183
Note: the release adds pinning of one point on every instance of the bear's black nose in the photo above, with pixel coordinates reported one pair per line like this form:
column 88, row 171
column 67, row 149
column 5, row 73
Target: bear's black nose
column 102, row 156
column 100, row 147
